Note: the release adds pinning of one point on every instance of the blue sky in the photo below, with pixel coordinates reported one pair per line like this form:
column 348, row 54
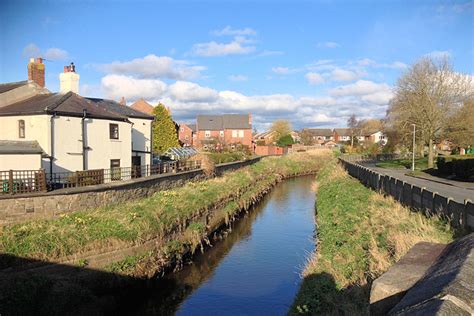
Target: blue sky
column 313, row 62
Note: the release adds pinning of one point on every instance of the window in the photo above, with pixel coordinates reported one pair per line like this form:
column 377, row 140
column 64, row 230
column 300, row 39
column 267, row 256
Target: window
column 115, row 172
column 21, row 129
column 207, row 134
column 234, row 133
column 114, row 131
column 221, row 133
column 186, row 137
column 241, row 133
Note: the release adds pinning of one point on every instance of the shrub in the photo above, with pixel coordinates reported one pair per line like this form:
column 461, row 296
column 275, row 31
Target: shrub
column 461, row 166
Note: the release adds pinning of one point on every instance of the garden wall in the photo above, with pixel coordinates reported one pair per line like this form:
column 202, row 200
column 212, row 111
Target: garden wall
column 18, row 208
column 460, row 214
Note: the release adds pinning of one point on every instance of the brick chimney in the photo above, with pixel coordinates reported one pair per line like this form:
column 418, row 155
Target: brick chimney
column 122, row 101
column 69, row 79
column 36, row 71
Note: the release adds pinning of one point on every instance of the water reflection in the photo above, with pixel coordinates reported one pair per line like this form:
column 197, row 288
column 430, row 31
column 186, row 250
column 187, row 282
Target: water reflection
column 254, row 270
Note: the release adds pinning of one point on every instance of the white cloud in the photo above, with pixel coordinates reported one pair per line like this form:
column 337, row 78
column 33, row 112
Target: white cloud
column 191, row 92
column 367, row 62
column 53, row 53
column 369, row 91
column 152, row 66
column 270, row 53
column 329, row 45
column 314, row 78
column 232, row 32
column 239, row 46
column 339, row 74
column 237, row 78
column 117, row 86
column 281, row 70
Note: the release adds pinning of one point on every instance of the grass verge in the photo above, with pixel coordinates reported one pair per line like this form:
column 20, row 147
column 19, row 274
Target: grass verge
column 361, row 234
column 166, row 215
column 420, row 164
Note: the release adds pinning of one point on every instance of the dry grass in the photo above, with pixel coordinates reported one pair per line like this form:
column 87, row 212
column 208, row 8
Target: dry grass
column 361, row 234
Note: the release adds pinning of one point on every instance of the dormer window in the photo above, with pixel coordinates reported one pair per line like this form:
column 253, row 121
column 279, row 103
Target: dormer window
column 21, row 129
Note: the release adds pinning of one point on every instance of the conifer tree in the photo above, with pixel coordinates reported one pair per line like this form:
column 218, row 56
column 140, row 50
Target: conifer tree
column 164, row 130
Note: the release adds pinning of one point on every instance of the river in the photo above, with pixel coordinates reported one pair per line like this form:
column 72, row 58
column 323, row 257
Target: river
column 254, row 270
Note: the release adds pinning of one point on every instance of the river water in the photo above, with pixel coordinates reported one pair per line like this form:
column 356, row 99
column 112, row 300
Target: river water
column 254, row 270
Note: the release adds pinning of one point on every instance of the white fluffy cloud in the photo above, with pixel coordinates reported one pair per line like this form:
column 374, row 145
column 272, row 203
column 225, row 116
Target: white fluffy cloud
column 152, row 66
column 187, row 99
column 339, row 74
column 281, row 70
column 240, row 45
column 314, row 78
column 53, row 53
column 231, row 31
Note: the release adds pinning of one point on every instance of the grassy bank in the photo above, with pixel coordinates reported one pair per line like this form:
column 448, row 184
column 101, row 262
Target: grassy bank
column 360, row 235
column 181, row 217
column 420, row 164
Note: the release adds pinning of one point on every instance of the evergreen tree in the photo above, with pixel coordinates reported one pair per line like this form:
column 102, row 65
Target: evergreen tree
column 164, row 130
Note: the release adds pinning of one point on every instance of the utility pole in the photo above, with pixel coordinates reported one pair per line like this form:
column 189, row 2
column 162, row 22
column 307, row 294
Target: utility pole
column 413, row 154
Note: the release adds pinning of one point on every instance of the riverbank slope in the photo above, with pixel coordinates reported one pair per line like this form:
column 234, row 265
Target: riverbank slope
column 361, row 234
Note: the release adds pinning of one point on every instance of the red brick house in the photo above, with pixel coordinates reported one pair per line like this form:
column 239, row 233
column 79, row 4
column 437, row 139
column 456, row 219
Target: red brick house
column 218, row 130
column 187, row 134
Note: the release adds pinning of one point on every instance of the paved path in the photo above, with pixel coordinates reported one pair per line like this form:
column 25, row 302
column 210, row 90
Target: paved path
column 458, row 192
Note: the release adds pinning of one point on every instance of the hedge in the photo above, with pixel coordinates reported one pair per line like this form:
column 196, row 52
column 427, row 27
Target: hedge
column 461, row 166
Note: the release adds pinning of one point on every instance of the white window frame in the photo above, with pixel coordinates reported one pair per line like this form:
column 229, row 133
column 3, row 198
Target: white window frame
column 241, row 134
column 234, row 133
column 207, row 134
column 221, row 133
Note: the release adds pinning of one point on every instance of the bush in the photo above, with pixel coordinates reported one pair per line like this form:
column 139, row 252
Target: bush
column 285, row 140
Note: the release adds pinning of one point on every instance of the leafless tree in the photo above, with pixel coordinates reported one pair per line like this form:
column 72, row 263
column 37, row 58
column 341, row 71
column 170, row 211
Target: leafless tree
column 426, row 95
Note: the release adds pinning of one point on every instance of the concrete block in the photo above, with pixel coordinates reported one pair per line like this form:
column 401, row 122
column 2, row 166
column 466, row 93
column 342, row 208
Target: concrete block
column 386, row 184
column 469, row 215
column 393, row 186
column 456, row 213
column 399, row 190
column 416, row 197
column 390, row 288
column 427, row 200
column 407, row 188
column 440, row 204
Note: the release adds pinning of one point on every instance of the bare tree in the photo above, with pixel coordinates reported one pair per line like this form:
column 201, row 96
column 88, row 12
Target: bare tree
column 426, row 95
column 460, row 127
column 353, row 124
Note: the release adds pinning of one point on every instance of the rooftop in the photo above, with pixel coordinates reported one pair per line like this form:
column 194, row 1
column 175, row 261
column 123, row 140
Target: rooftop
column 221, row 122
column 20, row 147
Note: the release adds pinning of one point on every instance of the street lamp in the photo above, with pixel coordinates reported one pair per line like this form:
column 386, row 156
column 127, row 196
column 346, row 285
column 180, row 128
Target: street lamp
column 413, row 154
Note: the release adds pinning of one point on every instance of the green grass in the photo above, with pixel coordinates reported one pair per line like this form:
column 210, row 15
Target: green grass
column 158, row 216
column 224, row 157
column 360, row 235
column 420, row 164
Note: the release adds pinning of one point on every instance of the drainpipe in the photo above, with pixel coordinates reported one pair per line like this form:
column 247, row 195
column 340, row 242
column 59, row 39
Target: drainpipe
column 51, row 158
column 83, row 134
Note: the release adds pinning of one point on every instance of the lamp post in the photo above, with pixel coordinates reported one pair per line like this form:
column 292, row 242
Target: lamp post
column 413, row 154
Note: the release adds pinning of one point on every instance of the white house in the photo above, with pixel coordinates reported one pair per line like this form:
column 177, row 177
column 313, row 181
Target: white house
column 73, row 132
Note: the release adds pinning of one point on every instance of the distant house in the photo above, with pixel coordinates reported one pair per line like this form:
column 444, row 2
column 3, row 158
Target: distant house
column 265, row 138
column 321, row 135
column 142, row 106
column 342, row 135
column 227, row 129
column 73, row 132
column 186, row 134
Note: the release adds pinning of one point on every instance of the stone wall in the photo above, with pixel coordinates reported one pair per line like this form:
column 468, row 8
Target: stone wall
column 460, row 214
column 16, row 208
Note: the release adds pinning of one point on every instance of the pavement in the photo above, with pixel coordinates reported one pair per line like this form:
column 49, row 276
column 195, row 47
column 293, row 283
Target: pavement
column 457, row 190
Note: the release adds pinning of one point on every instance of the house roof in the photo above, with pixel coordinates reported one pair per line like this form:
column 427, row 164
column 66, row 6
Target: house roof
column 118, row 108
column 143, row 106
column 192, row 127
column 343, row 131
column 263, row 135
column 221, row 122
column 5, row 87
column 20, row 147
column 319, row 131
column 64, row 104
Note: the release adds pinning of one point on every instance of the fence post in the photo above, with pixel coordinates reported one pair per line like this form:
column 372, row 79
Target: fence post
column 10, row 182
column 42, row 180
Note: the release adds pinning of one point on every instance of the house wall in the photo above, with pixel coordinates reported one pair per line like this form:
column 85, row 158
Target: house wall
column 37, row 128
column 103, row 149
column 185, row 135
column 201, row 135
column 141, row 139
column 245, row 140
column 20, row 162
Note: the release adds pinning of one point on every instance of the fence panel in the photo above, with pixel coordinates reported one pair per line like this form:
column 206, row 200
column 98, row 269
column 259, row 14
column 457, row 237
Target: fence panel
column 22, row 181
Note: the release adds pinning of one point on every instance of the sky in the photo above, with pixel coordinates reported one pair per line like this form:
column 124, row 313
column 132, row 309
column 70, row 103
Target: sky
column 312, row 62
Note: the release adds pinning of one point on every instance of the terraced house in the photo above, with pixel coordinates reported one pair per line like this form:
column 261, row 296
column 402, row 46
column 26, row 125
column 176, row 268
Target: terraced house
column 73, row 132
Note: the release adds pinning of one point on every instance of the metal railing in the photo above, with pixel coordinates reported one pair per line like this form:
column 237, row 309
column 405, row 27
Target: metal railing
column 22, row 181
column 28, row 181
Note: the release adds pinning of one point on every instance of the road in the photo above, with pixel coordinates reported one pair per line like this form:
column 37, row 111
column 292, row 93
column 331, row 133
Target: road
column 459, row 191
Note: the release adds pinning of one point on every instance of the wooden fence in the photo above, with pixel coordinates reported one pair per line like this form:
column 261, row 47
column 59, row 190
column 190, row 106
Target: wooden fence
column 22, row 181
